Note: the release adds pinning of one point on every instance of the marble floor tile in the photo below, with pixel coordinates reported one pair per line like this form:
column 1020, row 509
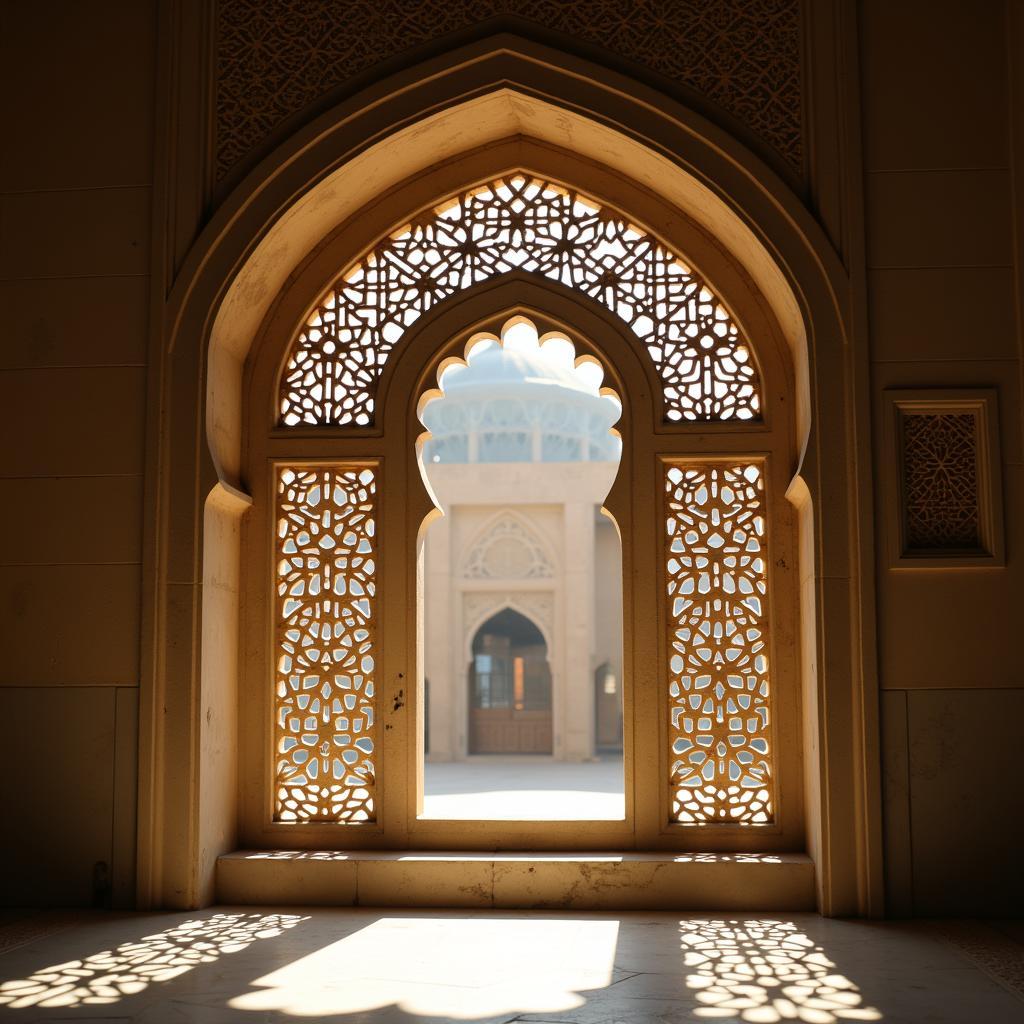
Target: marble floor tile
column 266, row 965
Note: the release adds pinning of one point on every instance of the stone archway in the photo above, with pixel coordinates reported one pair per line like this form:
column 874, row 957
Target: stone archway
column 228, row 287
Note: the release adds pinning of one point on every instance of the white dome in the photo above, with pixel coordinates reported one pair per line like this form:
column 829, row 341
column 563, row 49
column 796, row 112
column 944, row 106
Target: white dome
column 521, row 404
column 499, row 368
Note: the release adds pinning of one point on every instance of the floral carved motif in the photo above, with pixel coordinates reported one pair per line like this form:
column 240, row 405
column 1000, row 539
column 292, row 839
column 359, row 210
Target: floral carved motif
column 326, row 642
column 941, row 504
column 274, row 60
column 718, row 644
column 523, row 224
column 508, row 551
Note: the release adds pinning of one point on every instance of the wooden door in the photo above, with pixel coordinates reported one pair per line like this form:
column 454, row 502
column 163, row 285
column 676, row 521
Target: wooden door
column 510, row 699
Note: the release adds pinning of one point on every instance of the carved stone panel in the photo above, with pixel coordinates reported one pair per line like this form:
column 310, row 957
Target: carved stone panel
column 519, row 222
column 326, row 645
column 274, row 60
column 943, row 479
column 719, row 682
column 940, row 482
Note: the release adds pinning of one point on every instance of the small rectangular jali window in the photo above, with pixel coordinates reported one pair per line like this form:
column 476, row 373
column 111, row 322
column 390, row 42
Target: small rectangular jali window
column 325, row 643
column 943, row 479
column 719, row 690
column 940, row 481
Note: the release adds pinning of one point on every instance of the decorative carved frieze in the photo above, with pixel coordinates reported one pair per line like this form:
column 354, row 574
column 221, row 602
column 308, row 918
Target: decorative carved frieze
column 274, row 60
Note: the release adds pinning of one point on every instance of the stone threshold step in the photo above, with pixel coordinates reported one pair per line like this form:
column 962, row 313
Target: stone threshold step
column 519, row 881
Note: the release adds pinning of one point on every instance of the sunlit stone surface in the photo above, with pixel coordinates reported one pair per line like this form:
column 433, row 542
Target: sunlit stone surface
column 267, row 965
column 516, row 789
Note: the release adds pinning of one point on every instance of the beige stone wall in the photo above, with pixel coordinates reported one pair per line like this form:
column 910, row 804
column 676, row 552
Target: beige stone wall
column 575, row 599
column 943, row 219
column 943, row 194
column 76, row 169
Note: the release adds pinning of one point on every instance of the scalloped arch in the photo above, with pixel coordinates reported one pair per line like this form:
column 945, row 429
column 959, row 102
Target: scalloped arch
column 525, row 223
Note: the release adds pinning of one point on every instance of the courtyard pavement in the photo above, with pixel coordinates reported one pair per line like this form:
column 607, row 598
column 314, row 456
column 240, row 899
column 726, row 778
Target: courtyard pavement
column 524, row 788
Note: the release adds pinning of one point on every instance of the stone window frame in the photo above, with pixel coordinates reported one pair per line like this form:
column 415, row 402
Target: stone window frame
column 229, row 292
column 982, row 405
column 596, row 334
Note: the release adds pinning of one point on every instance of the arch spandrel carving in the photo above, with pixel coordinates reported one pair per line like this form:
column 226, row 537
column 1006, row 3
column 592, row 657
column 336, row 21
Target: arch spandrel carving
column 536, row 605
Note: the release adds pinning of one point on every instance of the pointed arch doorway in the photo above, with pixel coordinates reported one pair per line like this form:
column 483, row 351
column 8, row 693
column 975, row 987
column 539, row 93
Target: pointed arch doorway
column 510, row 688
column 786, row 259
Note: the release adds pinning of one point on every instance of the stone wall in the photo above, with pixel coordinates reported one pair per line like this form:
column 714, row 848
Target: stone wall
column 943, row 191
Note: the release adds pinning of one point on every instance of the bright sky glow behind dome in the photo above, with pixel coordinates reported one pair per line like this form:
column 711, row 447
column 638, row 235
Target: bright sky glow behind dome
column 518, row 400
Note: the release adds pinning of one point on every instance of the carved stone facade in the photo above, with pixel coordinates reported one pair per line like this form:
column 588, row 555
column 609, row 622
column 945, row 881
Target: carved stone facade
column 275, row 60
column 525, row 538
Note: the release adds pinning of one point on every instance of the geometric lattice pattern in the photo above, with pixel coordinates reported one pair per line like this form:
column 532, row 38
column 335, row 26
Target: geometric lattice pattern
column 326, row 644
column 274, row 60
column 718, row 655
column 940, row 481
column 518, row 223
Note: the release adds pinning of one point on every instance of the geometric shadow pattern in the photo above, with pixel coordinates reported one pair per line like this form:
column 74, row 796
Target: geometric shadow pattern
column 718, row 655
column 940, row 481
column 326, row 644
column 518, row 224
column 767, row 970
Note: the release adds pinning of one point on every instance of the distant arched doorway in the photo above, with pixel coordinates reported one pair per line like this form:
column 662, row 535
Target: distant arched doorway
column 510, row 688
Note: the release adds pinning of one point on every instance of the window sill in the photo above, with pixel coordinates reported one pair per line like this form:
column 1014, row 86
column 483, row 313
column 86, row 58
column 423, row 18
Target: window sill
column 535, row 881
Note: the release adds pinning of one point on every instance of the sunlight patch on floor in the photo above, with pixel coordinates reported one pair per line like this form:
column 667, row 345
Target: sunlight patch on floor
column 766, row 972
column 446, row 967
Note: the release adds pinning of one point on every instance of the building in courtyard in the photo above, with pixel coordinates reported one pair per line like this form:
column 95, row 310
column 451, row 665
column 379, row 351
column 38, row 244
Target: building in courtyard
column 522, row 574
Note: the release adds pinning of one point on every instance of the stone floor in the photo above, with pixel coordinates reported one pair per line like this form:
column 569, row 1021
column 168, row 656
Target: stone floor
column 523, row 788
column 270, row 965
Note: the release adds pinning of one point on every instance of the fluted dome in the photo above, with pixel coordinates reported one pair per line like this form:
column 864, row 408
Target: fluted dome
column 521, row 404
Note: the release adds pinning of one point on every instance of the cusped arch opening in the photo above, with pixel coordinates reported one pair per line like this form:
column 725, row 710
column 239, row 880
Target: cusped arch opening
column 476, row 131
